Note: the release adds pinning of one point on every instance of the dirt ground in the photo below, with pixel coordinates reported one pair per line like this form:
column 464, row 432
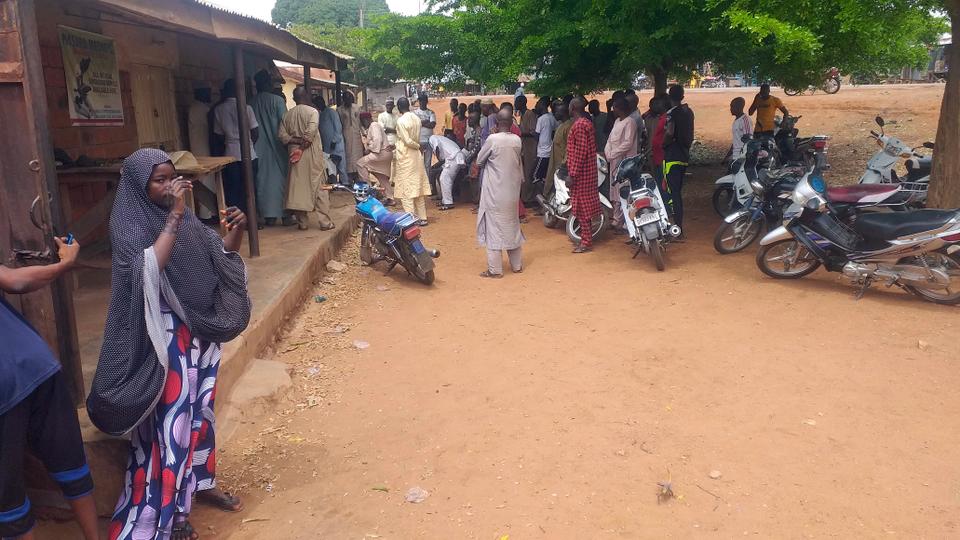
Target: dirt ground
column 553, row 403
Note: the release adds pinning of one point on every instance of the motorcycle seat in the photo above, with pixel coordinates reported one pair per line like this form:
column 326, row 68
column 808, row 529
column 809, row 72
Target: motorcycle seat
column 861, row 193
column 391, row 221
column 891, row 225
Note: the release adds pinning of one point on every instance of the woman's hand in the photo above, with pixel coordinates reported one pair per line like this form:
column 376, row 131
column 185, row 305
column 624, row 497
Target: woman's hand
column 234, row 219
column 178, row 189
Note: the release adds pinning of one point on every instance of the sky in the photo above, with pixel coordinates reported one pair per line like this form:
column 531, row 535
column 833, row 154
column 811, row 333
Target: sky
column 261, row 8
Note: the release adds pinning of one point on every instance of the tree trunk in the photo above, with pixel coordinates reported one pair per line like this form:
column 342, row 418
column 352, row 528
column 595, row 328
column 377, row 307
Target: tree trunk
column 659, row 80
column 945, row 177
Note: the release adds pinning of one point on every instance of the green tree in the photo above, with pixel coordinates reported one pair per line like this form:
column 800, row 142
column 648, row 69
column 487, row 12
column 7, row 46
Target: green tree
column 326, row 12
column 363, row 70
column 945, row 177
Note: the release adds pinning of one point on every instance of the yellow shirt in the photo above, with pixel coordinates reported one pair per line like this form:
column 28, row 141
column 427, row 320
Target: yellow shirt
column 767, row 112
column 448, row 120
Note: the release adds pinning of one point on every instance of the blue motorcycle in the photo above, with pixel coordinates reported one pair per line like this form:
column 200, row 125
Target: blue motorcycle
column 391, row 236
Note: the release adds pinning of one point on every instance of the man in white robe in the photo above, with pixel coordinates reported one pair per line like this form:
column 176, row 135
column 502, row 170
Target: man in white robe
column 498, row 223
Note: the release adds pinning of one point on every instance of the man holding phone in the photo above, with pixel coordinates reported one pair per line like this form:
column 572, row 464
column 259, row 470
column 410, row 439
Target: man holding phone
column 36, row 411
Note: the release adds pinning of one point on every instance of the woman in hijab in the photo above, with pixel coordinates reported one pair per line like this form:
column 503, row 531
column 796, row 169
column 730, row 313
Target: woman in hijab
column 178, row 292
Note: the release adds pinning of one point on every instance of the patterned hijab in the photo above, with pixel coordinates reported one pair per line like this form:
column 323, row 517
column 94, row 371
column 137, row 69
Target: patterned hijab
column 203, row 285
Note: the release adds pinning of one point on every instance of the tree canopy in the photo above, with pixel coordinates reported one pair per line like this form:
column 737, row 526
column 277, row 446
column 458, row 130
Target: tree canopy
column 326, row 12
column 593, row 44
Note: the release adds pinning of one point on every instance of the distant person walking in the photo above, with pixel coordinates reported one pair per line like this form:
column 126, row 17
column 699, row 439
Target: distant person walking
column 582, row 167
column 271, row 180
column 308, row 172
column 410, row 181
column 678, row 138
column 766, row 107
column 498, row 224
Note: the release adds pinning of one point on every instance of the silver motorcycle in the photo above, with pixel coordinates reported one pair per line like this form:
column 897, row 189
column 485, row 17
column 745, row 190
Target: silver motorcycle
column 645, row 212
column 918, row 251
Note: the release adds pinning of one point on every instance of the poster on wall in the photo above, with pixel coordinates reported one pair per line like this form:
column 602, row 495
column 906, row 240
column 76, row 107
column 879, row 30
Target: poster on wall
column 93, row 80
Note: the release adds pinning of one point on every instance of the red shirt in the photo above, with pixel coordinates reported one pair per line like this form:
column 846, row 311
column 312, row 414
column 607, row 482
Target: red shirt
column 657, row 141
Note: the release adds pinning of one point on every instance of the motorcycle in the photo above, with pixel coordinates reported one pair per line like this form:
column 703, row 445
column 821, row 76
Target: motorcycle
column 915, row 250
column 711, row 81
column 829, row 85
column 390, row 236
column 787, row 150
column 646, row 215
column 880, row 167
column 558, row 208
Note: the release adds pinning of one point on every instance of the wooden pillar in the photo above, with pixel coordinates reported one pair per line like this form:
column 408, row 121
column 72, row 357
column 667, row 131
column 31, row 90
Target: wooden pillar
column 243, row 121
column 27, row 173
column 336, row 75
column 308, row 83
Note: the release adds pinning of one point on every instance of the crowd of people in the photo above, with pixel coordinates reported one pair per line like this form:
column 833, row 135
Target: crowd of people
column 179, row 289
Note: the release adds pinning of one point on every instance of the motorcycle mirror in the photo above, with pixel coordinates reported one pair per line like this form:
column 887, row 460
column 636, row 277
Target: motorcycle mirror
column 929, row 145
column 813, row 204
column 880, row 121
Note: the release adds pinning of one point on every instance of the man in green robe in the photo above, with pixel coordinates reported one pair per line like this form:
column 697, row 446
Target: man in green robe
column 271, row 179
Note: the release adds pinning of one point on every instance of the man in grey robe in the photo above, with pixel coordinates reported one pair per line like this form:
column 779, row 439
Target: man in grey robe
column 498, row 224
column 331, row 133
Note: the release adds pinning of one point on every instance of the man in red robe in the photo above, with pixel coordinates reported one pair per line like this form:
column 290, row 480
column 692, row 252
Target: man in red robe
column 582, row 168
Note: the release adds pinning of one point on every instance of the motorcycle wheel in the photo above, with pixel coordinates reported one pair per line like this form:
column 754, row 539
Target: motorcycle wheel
column 656, row 252
column 831, row 85
column 951, row 265
column 366, row 245
column 598, row 226
column 725, row 201
column 786, row 259
column 550, row 221
column 792, row 91
column 734, row 237
column 412, row 264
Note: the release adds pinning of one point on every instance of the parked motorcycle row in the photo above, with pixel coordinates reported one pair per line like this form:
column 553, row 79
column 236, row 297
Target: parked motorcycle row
column 646, row 216
column 873, row 231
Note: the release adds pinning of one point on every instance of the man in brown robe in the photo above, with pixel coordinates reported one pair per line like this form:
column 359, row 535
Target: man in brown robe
column 299, row 131
column 528, row 148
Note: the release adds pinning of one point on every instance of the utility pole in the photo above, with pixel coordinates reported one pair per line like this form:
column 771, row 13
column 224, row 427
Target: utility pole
column 361, row 13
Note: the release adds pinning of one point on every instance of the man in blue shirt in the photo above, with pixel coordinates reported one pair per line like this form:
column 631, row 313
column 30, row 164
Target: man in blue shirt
column 36, row 412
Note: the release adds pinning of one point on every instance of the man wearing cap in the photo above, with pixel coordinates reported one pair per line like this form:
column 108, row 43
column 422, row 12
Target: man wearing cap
column 428, row 121
column 388, row 119
column 409, row 175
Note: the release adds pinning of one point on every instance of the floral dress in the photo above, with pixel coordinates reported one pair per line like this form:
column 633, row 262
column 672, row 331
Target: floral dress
column 172, row 452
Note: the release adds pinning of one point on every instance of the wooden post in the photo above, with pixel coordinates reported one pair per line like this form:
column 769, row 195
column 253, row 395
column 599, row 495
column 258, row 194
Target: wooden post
column 245, row 144
column 27, row 172
column 308, row 83
column 336, row 76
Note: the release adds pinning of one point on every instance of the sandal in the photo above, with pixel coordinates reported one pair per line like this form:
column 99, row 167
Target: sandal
column 220, row 499
column 487, row 274
column 423, row 223
column 581, row 249
column 445, row 207
column 182, row 530
column 329, row 227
